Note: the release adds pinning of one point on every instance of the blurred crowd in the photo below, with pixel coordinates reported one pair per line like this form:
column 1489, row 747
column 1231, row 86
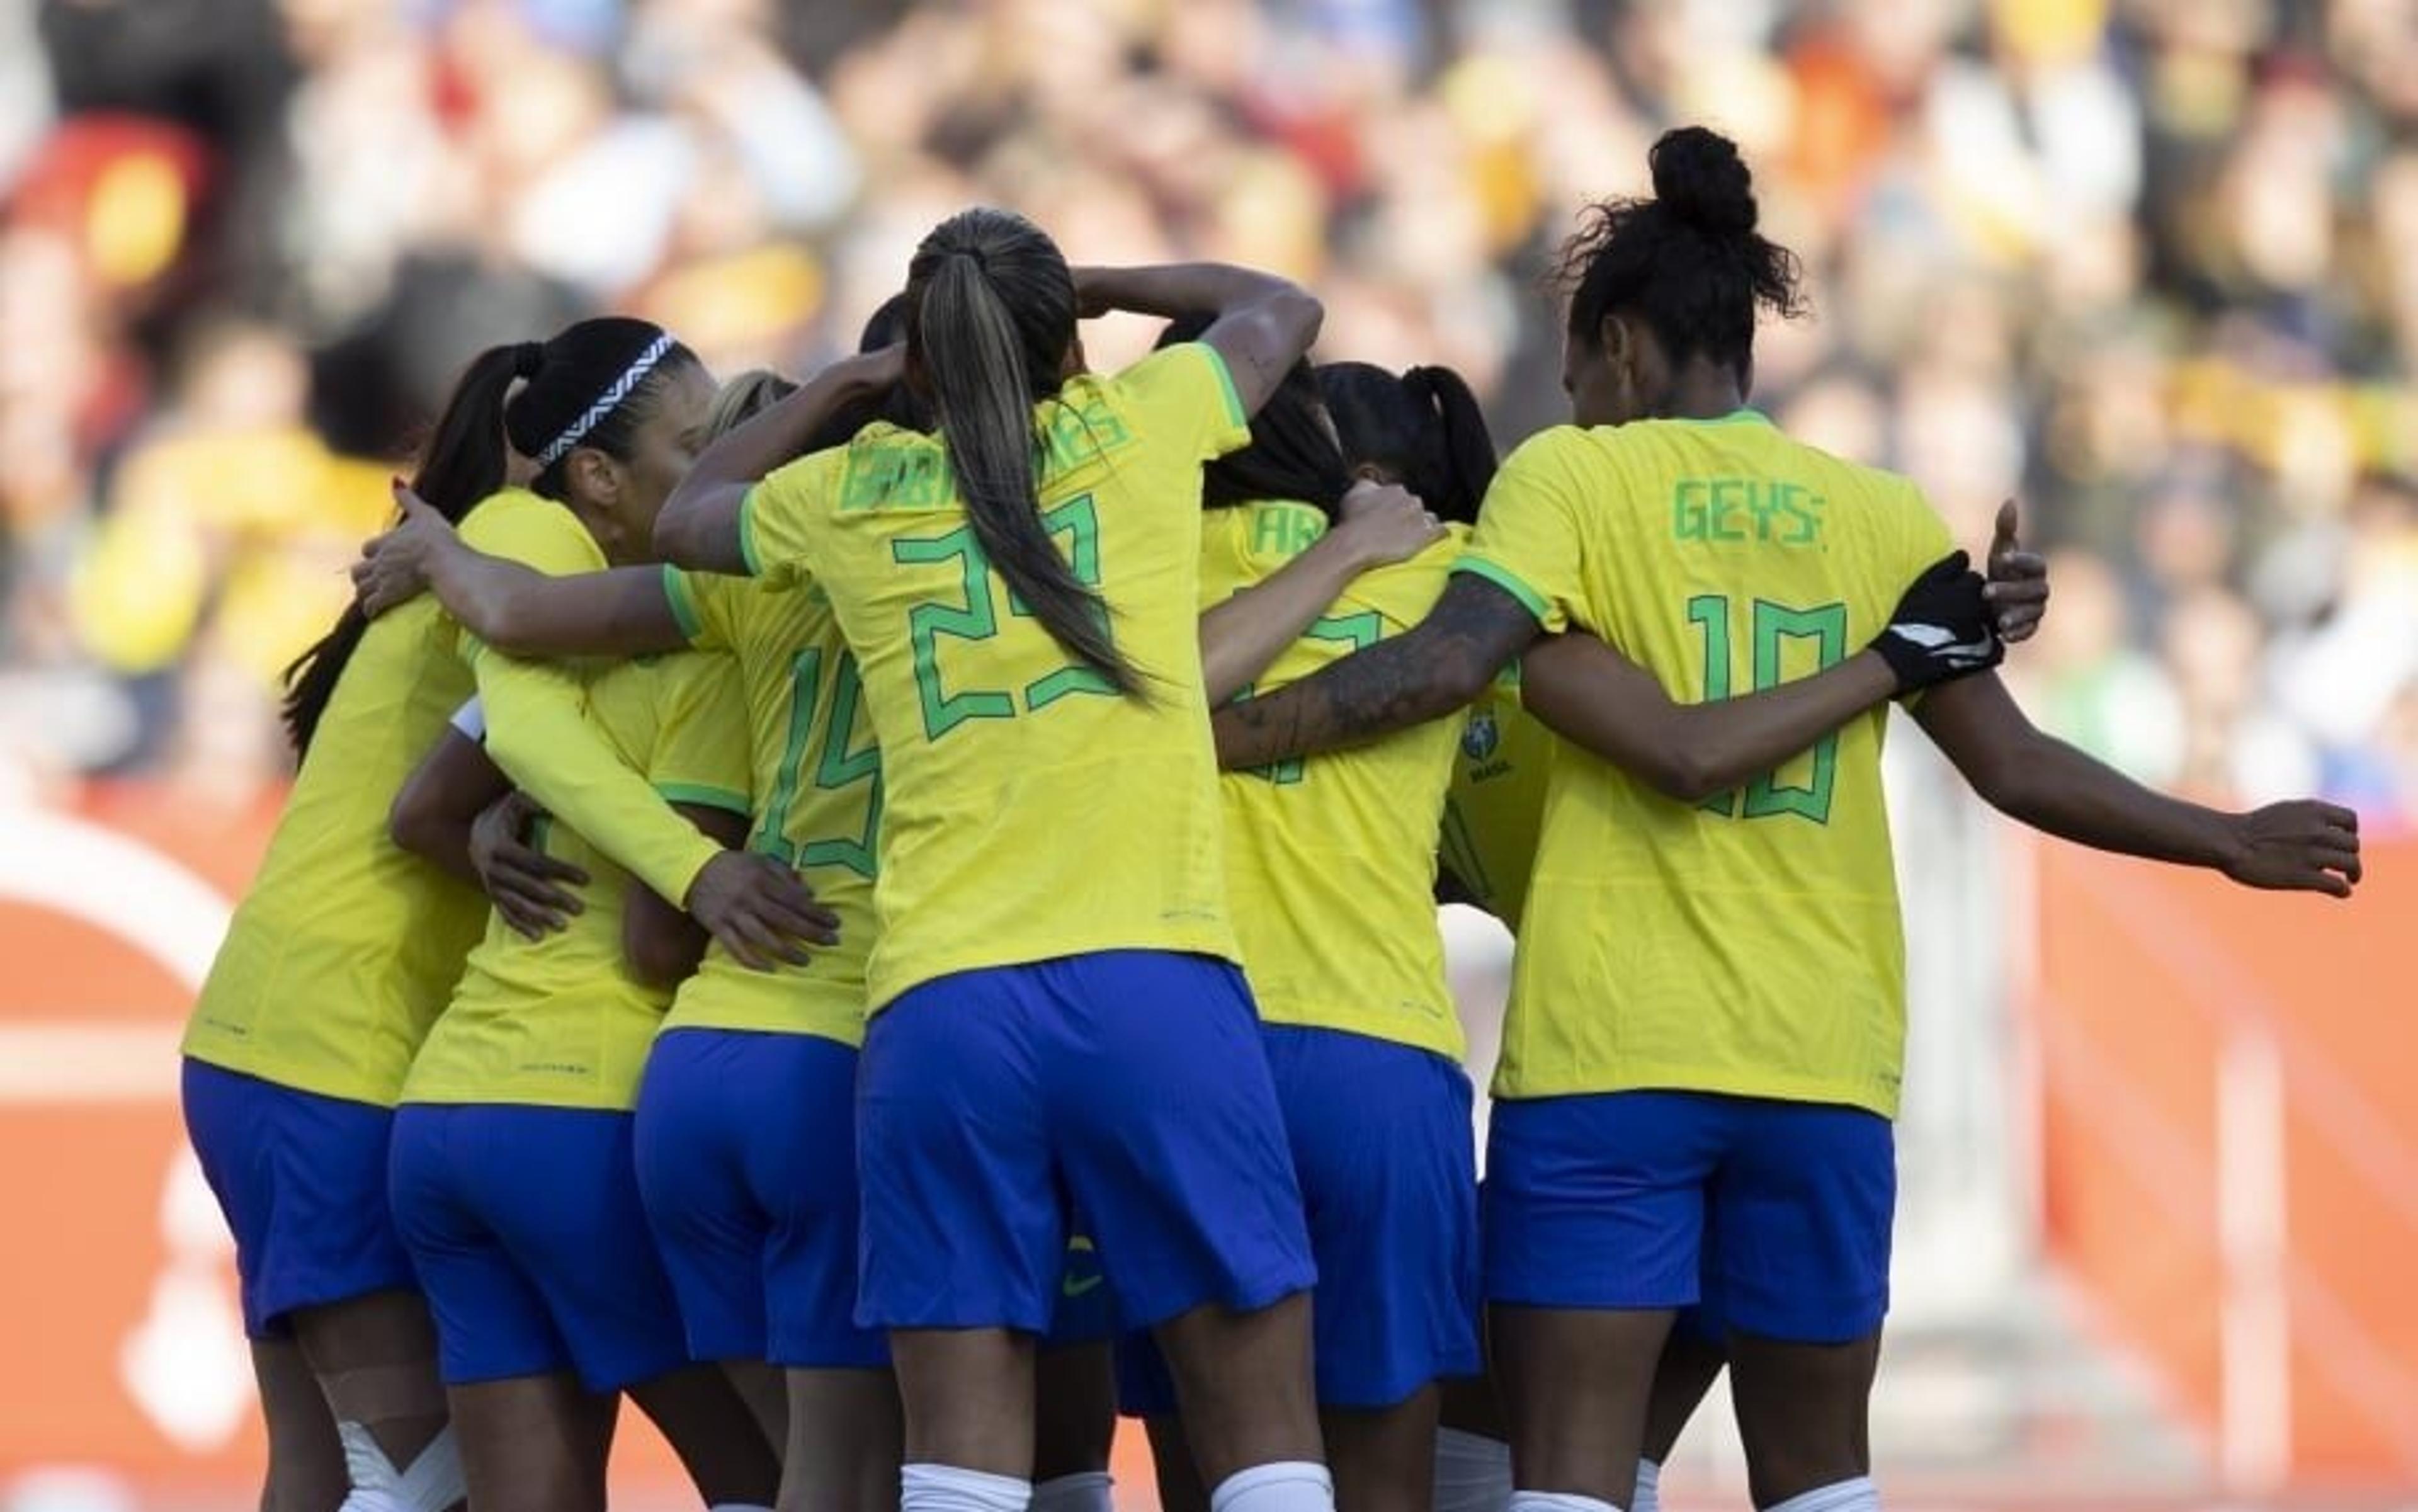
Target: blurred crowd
column 2150, row 266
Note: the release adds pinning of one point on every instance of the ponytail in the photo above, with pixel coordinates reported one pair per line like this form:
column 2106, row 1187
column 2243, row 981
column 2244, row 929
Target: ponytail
column 1423, row 429
column 992, row 313
column 462, row 462
column 1465, row 448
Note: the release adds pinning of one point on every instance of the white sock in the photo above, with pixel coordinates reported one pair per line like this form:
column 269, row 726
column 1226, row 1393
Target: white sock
column 1087, row 1491
column 432, row 1484
column 1649, row 1495
column 1558, row 1502
column 1856, row 1495
column 1473, row 1473
column 1285, row 1486
column 947, row 1488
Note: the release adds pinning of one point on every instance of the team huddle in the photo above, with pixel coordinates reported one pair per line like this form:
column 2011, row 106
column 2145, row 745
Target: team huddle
column 893, row 918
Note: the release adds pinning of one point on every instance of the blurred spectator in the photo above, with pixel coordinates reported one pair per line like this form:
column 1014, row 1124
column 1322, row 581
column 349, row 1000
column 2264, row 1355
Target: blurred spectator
column 2150, row 264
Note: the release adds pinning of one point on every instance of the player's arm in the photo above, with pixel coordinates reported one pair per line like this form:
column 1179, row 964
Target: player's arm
column 702, row 525
column 1381, row 524
column 1592, row 695
column 2303, row 845
column 1439, row 664
column 433, row 812
column 624, row 611
column 538, row 733
column 661, row 943
column 460, row 812
column 1261, row 324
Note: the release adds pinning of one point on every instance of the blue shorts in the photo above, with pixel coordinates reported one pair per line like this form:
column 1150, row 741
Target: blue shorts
column 746, row 1157
column 1642, row 1198
column 526, row 1226
column 1381, row 1138
column 1128, row 1085
column 301, row 1178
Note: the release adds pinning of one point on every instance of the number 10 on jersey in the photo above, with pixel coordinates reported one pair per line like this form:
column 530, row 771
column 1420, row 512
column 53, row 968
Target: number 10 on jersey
column 1770, row 626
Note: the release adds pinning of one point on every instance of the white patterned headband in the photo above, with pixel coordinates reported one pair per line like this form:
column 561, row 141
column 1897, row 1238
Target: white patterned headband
column 606, row 401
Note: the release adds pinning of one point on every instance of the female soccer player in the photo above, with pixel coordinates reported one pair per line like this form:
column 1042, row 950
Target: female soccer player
column 735, row 1119
column 1636, row 1130
column 336, row 964
column 1055, row 1007
column 512, row 1167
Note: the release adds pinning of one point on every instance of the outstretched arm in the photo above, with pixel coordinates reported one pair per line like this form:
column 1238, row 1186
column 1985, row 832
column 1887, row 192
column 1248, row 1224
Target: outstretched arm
column 2303, row 845
column 1436, row 666
column 624, row 611
column 700, row 523
column 1262, row 324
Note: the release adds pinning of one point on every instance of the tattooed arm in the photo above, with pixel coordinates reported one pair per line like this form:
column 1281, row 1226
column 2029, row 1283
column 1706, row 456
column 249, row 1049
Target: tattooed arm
column 1263, row 323
column 1438, row 665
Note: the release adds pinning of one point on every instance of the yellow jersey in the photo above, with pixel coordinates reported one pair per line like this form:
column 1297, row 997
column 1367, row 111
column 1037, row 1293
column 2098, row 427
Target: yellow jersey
column 1749, row 944
column 1496, row 807
column 346, row 947
column 560, row 1022
column 816, row 772
column 535, row 731
column 1330, row 859
column 1031, row 812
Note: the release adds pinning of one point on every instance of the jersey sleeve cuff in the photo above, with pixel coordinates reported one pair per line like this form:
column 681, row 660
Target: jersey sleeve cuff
column 747, row 532
column 682, row 602
column 1236, row 433
column 1509, row 582
column 704, row 796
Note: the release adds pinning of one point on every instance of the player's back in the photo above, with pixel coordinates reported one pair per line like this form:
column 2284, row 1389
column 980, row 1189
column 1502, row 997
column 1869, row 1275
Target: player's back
column 346, row 946
column 1031, row 811
column 1331, row 858
column 1749, row 943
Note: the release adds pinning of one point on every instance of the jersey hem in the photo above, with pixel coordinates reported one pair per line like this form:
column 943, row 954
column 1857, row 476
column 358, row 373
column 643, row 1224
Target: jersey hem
column 881, row 991
column 1452, row 1047
column 1518, row 1088
column 277, row 1072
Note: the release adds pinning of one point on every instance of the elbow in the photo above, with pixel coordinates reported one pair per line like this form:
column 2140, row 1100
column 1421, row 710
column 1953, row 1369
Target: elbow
column 410, row 824
column 1303, row 311
column 1683, row 775
column 510, row 632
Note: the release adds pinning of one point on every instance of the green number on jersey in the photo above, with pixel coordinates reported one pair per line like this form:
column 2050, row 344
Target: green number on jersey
column 845, row 761
column 977, row 619
column 1826, row 625
column 1354, row 632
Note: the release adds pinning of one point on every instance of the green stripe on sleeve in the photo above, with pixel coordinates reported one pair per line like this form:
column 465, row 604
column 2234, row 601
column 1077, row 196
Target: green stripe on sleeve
column 1226, row 385
column 1508, row 581
column 702, row 796
column 684, row 603
column 747, row 532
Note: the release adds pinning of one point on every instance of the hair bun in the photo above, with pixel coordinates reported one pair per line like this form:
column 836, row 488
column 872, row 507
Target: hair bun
column 1700, row 179
column 526, row 358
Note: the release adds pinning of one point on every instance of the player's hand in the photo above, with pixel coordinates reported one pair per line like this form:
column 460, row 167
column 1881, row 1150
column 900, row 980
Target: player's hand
column 1941, row 628
column 2299, row 847
column 531, row 890
column 759, row 909
column 1381, row 524
column 393, row 568
column 2018, row 586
